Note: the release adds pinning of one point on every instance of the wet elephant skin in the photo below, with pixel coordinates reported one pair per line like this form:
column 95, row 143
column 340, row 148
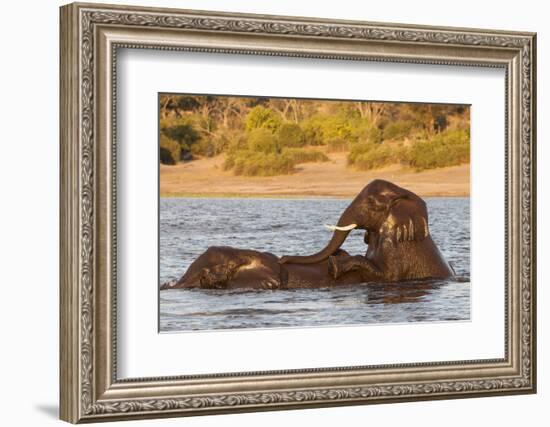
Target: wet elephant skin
column 400, row 248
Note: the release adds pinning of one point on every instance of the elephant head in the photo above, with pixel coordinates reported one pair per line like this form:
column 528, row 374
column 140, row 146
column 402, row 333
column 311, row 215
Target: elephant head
column 381, row 208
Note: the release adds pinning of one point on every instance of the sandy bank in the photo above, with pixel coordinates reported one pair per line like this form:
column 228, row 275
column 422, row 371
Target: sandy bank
column 205, row 178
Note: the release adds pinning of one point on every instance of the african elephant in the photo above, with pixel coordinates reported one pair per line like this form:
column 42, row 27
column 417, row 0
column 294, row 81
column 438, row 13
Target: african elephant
column 400, row 248
column 223, row 267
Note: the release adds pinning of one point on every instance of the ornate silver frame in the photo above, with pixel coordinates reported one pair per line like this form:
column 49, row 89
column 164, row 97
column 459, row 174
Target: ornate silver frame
column 90, row 36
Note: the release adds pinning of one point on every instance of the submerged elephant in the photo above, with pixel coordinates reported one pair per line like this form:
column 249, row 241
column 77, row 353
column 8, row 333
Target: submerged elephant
column 400, row 248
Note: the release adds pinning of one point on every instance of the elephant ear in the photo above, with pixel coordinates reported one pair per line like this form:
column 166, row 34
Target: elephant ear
column 407, row 220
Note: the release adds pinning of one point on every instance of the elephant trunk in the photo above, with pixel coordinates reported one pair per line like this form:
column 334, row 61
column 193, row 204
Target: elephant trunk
column 346, row 221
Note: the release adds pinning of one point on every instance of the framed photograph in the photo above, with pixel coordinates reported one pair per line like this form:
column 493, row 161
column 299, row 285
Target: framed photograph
column 266, row 212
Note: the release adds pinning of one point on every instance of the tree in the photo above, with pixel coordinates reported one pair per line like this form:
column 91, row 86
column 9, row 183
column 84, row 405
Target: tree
column 176, row 105
column 261, row 117
column 180, row 131
column 170, row 151
column 291, row 135
column 261, row 140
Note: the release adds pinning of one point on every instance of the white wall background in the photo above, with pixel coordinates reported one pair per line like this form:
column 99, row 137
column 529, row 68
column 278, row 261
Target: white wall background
column 29, row 171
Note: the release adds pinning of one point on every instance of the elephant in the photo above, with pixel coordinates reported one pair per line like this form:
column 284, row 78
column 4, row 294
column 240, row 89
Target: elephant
column 400, row 248
column 223, row 267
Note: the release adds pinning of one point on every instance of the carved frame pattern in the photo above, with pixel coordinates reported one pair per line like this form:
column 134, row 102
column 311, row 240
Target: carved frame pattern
column 80, row 401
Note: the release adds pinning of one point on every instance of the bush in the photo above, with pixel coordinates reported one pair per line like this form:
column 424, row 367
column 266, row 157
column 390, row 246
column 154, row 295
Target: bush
column 238, row 141
column 229, row 162
column 291, row 135
column 216, row 144
column 262, row 140
column 398, row 129
column 264, row 118
column 170, row 151
column 323, row 128
column 371, row 156
column 253, row 163
column 373, row 135
column 207, row 147
column 338, row 127
column 180, row 130
column 300, row 155
column 250, row 163
column 313, row 132
column 449, row 148
column 401, row 154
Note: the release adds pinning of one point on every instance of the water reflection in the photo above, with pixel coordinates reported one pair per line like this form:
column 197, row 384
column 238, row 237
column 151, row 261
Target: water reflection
column 392, row 293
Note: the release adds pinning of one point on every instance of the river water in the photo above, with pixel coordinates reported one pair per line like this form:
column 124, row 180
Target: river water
column 295, row 226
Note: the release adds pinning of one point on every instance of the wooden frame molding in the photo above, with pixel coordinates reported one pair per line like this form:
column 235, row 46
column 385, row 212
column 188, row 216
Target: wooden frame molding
column 90, row 37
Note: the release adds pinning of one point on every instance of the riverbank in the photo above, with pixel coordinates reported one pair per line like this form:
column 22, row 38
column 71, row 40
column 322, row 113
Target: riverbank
column 206, row 178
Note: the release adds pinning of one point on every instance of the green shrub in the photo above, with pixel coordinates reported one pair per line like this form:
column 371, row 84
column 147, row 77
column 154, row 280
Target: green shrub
column 449, row 148
column 262, row 140
column 264, row 118
column 356, row 151
column 229, row 162
column 320, row 129
column 291, row 135
column 238, row 141
column 300, row 155
column 401, row 154
column 213, row 145
column 251, row 163
column 313, row 132
column 338, row 127
column 254, row 163
column 180, row 130
column 367, row 156
column 397, row 130
column 207, row 146
column 170, row 151
column 374, row 135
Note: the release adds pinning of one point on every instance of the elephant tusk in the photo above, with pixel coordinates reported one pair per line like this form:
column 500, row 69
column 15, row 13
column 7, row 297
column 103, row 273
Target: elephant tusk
column 426, row 232
column 346, row 228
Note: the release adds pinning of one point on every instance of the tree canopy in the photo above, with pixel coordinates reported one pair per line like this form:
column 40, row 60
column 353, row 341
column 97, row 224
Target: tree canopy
column 269, row 136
